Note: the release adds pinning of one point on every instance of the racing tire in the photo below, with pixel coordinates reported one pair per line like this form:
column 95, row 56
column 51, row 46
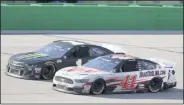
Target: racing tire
column 155, row 85
column 98, row 87
column 48, row 71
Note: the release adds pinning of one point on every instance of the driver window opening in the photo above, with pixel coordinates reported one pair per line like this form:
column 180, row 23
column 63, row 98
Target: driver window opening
column 128, row 66
column 80, row 52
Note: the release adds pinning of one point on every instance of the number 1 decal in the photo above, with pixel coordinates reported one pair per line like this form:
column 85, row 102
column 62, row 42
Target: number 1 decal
column 128, row 82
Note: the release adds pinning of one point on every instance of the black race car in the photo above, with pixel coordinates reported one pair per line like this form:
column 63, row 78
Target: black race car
column 43, row 63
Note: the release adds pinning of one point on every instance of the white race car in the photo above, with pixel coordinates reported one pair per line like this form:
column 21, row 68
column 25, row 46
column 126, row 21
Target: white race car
column 116, row 73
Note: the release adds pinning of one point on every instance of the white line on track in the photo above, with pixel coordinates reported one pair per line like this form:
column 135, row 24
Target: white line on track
column 98, row 5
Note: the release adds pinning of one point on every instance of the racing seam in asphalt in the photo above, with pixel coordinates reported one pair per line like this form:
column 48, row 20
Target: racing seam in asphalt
column 155, row 48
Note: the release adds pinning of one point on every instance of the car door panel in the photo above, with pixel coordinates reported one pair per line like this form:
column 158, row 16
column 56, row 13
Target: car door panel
column 128, row 76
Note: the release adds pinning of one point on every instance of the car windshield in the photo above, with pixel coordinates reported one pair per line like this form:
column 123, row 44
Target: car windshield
column 103, row 63
column 53, row 50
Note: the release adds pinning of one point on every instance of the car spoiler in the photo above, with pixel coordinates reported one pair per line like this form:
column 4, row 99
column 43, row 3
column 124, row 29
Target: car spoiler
column 162, row 62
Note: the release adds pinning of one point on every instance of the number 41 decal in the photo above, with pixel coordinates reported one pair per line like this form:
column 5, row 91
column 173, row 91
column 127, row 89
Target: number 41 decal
column 128, row 82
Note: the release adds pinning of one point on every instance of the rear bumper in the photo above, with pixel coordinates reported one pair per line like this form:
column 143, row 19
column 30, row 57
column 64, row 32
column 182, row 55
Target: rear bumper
column 170, row 85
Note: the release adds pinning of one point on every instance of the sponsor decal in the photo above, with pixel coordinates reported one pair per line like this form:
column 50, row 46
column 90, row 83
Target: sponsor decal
column 15, row 63
column 31, row 56
column 92, row 71
column 59, row 61
column 37, row 70
column 64, row 57
column 87, row 86
column 75, row 70
column 141, row 86
column 152, row 73
column 84, row 70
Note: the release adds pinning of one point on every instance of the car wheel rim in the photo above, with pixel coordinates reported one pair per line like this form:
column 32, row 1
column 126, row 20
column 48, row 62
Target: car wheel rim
column 48, row 72
column 98, row 87
column 155, row 85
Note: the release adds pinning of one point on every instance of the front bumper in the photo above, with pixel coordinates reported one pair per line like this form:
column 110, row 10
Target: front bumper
column 21, row 72
column 74, row 90
column 18, row 76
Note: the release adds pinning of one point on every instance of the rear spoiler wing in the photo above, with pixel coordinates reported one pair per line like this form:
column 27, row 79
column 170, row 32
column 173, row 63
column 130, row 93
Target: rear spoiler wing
column 163, row 63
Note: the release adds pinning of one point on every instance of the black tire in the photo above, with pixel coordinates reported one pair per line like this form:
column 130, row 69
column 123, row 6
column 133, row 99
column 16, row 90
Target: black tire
column 98, row 87
column 48, row 71
column 155, row 85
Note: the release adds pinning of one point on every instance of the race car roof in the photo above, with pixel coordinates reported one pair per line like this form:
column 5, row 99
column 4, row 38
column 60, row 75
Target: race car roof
column 111, row 47
column 72, row 42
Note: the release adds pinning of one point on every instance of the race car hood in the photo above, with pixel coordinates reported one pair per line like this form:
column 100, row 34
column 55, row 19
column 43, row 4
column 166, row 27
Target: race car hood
column 30, row 57
column 78, row 72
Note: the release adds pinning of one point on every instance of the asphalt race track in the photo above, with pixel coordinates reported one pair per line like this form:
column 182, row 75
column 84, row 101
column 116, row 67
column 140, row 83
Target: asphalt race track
column 13, row 90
